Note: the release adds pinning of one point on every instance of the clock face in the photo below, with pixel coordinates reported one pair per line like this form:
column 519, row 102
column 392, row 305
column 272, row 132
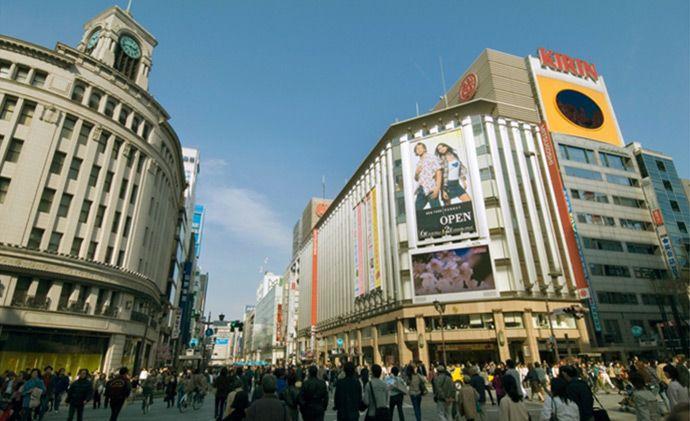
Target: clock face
column 94, row 39
column 130, row 47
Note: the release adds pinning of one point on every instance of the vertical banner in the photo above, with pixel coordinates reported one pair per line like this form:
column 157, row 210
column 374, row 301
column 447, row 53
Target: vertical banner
column 360, row 249
column 314, row 272
column 355, row 230
column 370, row 241
column 375, row 224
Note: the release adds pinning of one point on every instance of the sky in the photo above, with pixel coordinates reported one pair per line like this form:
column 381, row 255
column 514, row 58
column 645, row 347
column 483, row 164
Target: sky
column 278, row 94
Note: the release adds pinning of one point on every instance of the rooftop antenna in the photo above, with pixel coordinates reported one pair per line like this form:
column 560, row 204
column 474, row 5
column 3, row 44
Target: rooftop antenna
column 417, row 104
column 129, row 6
column 323, row 186
column 443, row 79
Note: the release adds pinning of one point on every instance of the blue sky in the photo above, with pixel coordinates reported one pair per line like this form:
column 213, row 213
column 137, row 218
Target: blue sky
column 277, row 94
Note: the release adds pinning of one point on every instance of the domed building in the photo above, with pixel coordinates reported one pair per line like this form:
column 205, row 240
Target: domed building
column 91, row 185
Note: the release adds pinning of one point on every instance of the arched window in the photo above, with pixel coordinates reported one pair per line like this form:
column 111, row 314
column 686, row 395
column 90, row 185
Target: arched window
column 127, row 56
column 78, row 93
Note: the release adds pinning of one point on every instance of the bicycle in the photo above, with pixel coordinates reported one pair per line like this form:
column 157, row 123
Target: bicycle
column 195, row 398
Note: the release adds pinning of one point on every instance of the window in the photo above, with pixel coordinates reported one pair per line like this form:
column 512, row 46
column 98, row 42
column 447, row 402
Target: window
column 613, row 331
column 91, row 253
column 58, row 162
column 78, row 93
column 667, row 185
column 14, row 150
column 136, row 122
column 635, row 225
column 133, row 194
column 54, row 243
column 85, row 209
column 619, row 179
column 46, row 200
column 8, row 108
column 513, row 320
column 99, row 216
column 116, row 222
column 128, row 224
column 110, row 108
column 660, row 165
column 95, row 99
column 147, row 130
column 116, row 148
column 579, row 172
column 22, row 74
column 602, row 244
column 607, row 297
column 588, row 218
column 68, row 127
column 120, row 257
column 35, row 238
column 74, row 168
column 572, row 153
column 84, row 133
column 76, row 246
column 131, row 157
column 39, row 79
column 140, row 162
column 674, row 206
column 614, row 161
column 93, row 177
column 609, row 270
column 65, row 202
column 682, row 228
column 591, row 196
column 27, row 113
column 650, row 273
column 123, row 189
column 103, row 142
column 4, row 187
column 640, row 248
column 5, row 69
column 108, row 181
column 628, row 201
column 108, row 254
column 124, row 113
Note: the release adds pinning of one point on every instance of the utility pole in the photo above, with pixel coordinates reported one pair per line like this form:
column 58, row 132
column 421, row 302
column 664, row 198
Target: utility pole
column 441, row 307
column 554, row 343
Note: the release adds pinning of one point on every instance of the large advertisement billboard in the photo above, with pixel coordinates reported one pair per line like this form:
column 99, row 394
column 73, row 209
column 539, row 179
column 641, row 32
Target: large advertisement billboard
column 438, row 180
column 456, row 274
column 366, row 229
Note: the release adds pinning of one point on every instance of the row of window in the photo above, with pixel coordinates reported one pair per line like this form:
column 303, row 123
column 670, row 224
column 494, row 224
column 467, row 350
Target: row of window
column 24, row 74
column 626, row 298
column 9, row 106
column 624, row 271
column 615, row 245
column 592, row 196
column 587, row 156
column 596, row 176
column 111, row 107
column 593, row 219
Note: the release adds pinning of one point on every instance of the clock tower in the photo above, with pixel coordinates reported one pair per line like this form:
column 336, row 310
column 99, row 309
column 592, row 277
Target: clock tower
column 116, row 39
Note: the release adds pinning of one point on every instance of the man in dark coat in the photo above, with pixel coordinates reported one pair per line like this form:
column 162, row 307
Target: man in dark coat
column 348, row 394
column 478, row 384
column 222, row 385
column 118, row 389
column 268, row 407
column 61, row 383
column 78, row 394
column 579, row 392
column 313, row 400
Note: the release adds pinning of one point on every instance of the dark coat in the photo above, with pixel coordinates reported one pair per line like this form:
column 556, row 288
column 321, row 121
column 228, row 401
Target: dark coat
column 79, row 392
column 348, row 394
column 268, row 408
column 222, row 385
column 579, row 392
column 313, row 400
column 479, row 385
column 61, row 383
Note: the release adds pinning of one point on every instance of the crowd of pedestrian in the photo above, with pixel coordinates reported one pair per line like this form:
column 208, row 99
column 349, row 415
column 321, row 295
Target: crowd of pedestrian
column 653, row 389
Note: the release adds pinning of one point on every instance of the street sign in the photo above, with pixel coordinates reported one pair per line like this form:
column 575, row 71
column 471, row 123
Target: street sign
column 340, row 342
column 209, row 332
column 637, row 331
column 194, row 342
column 223, row 341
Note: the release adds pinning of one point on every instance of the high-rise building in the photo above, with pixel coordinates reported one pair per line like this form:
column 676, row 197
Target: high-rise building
column 90, row 183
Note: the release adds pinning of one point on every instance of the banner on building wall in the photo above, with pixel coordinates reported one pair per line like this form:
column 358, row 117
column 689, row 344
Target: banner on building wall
column 594, row 311
column 358, row 251
column 370, row 241
column 314, row 272
column 456, row 274
column 377, row 251
column 652, row 202
column 177, row 323
column 279, row 319
column 438, row 184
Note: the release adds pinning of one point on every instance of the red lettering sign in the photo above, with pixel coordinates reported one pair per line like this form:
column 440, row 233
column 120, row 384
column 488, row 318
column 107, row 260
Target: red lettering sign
column 567, row 64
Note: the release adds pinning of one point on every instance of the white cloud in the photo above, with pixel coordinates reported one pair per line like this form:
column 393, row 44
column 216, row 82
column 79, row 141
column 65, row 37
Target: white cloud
column 214, row 166
column 247, row 215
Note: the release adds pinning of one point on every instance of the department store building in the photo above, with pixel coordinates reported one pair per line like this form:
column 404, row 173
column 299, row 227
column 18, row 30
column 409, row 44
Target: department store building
column 482, row 206
column 91, row 181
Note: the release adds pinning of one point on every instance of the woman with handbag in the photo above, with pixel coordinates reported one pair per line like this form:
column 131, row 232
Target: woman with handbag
column 559, row 407
column 416, row 384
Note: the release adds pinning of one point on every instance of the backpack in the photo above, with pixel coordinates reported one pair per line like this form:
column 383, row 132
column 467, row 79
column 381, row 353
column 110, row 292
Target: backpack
column 118, row 388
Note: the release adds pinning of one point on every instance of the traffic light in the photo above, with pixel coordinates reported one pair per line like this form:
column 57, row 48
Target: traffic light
column 552, row 346
column 240, row 326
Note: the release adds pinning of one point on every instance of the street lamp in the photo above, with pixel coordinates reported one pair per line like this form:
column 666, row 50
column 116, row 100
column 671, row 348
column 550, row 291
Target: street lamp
column 441, row 307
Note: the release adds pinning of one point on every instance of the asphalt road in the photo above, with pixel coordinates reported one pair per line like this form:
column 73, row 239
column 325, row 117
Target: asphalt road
column 159, row 411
